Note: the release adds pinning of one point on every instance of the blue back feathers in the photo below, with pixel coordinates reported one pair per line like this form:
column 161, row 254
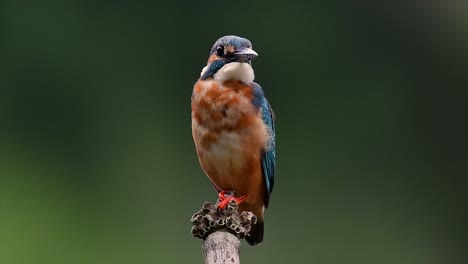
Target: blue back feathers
column 268, row 159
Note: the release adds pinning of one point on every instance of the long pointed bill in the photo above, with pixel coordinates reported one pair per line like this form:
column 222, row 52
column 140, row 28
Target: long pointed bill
column 244, row 55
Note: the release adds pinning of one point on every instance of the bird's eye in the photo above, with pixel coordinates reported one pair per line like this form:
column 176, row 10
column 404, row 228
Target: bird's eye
column 220, row 51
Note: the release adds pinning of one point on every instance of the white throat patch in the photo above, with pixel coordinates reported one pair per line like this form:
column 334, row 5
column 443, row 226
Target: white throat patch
column 235, row 71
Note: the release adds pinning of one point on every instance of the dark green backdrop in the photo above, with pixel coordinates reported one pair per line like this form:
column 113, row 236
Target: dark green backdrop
column 97, row 163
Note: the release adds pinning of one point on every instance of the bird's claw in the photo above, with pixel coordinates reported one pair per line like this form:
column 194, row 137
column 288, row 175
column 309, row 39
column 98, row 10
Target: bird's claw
column 222, row 195
column 224, row 200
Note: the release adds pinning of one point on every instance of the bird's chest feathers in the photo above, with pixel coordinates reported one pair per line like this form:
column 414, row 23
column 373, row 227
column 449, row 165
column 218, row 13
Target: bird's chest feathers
column 226, row 125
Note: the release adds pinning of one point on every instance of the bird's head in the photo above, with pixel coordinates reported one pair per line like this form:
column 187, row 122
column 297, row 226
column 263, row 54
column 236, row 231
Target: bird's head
column 226, row 50
column 232, row 49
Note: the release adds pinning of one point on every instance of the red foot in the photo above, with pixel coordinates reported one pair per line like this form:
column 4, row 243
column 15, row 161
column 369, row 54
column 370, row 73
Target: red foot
column 224, row 201
column 222, row 195
column 241, row 199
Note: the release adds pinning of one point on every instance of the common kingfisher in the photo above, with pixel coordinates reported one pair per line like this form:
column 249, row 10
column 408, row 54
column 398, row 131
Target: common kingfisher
column 233, row 130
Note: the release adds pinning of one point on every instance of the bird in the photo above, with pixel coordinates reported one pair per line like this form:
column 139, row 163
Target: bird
column 233, row 130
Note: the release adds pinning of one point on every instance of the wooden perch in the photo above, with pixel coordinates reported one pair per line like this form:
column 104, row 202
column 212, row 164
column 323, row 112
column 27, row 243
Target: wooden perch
column 221, row 247
column 221, row 230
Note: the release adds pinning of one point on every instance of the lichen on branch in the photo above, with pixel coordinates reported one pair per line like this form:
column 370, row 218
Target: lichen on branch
column 210, row 218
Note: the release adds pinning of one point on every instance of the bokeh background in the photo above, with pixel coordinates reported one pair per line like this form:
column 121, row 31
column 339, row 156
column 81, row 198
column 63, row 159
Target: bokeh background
column 97, row 163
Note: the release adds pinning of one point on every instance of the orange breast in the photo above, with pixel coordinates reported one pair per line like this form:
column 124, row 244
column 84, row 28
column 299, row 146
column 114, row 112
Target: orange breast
column 229, row 135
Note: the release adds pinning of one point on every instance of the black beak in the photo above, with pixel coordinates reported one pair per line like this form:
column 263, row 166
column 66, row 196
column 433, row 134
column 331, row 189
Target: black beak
column 244, row 55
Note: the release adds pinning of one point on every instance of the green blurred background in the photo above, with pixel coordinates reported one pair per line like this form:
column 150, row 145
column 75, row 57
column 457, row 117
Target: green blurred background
column 97, row 163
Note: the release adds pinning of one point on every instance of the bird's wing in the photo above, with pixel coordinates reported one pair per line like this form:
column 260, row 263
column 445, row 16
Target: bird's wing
column 268, row 159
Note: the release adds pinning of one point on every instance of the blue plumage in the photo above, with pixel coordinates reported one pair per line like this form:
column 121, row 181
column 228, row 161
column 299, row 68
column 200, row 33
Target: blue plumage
column 268, row 155
column 212, row 69
column 235, row 41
